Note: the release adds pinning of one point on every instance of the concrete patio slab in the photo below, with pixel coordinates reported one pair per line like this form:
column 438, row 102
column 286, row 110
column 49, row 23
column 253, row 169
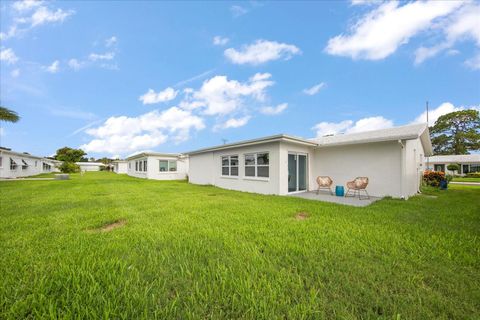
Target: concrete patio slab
column 349, row 201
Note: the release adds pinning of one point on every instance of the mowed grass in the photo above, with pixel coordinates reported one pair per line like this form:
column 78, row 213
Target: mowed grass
column 199, row 252
column 464, row 179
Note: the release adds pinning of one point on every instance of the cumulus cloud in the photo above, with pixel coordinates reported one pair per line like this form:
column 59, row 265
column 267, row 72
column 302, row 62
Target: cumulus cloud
column 220, row 41
column 274, row 110
column 110, row 42
column 26, row 5
column 380, row 32
column 8, row 55
column 238, row 11
column 261, row 51
column 120, row 135
column 315, row 89
column 104, row 56
column 444, row 108
column 44, row 15
column 349, row 126
column 75, row 64
column 474, row 62
column 232, row 123
column 54, row 67
column 221, row 96
column 152, row 97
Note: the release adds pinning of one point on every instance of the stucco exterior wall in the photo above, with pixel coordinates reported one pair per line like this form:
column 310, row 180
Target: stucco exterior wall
column 120, row 167
column 153, row 168
column 414, row 166
column 380, row 162
column 35, row 165
column 206, row 168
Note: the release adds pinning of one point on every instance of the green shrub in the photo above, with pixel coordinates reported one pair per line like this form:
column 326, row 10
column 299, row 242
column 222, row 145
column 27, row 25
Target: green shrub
column 448, row 177
column 69, row 167
column 433, row 178
column 473, row 175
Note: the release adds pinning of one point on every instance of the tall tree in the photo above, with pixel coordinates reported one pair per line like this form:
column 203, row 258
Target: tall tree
column 67, row 154
column 8, row 115
column 456, row 133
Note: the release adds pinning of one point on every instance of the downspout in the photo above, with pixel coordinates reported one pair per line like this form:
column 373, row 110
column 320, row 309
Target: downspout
column 402, row 168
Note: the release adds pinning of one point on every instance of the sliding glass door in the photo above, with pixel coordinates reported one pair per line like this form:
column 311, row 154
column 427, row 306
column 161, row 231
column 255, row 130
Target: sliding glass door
column 297, row 172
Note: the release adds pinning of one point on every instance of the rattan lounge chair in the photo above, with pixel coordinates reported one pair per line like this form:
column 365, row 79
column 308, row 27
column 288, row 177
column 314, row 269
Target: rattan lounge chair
column 324, row 182
column 356, row 186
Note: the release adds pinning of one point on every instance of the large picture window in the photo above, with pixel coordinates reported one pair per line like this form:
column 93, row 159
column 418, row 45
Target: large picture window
column 167, row 165
column 230, row 166
column 257, row 165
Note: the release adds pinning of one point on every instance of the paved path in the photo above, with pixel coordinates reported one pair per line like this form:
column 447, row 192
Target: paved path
column 350, row 201
column 466, row 183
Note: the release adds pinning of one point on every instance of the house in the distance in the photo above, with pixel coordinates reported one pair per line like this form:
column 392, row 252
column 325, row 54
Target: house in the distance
column 392, row 159
column 468, row 163
column 21, row 164
column 90, row 166
column 120, row 166
column 158, row 166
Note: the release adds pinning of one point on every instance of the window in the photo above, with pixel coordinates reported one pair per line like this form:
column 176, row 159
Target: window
column 475, row 168
column 140, row 165
column 129, row 165
column 13, row 164
column 167, row 165
column 35, row 163
column 466, row 168
column 145, row 165
column 230, row 166
column 257, row 165
column 24, row 165
column 136, row 165
column 1, row 162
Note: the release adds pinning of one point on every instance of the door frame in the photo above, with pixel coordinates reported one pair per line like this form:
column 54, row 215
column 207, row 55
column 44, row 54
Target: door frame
column 306, row 171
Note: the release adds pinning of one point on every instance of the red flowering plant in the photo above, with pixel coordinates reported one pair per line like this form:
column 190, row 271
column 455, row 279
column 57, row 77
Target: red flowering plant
column 433, row 178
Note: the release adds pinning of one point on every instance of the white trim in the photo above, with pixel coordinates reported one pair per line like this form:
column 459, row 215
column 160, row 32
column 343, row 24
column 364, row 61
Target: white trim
column 307, row 171
column 264, row 179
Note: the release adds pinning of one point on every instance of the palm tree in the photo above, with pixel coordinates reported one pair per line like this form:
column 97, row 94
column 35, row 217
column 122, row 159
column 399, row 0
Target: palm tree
column 8, row 115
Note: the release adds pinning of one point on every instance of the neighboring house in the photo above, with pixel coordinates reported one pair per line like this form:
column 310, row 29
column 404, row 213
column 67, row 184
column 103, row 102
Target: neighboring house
column 120, row 166
column 90, row 166
column 159, row 166
column 392, row 159
column 17, row 164
column 468, row 163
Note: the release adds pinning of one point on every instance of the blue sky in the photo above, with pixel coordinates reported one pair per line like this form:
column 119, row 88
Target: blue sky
column 120, row 77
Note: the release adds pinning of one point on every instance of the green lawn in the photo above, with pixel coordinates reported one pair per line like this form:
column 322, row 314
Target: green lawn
column 199, row 252
column 460, row 179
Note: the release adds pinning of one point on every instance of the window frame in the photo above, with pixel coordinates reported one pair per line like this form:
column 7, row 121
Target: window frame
column 255, row 165
column 230, row 166
column 13, row 165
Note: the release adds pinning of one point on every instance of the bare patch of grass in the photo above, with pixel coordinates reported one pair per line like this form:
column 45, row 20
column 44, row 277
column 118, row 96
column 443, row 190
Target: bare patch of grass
column 301, row 216
column 109, row 226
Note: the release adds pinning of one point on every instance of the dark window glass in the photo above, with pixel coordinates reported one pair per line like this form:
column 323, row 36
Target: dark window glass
column 263, row 172
column 225, row 171
column 249, row 159
column 250, row 171
column 262, row 158
column 234, row 171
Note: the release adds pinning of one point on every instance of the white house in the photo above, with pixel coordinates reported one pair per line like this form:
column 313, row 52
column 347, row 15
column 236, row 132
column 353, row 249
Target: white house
column 392, row 159
column 17, row 164
column 90, row 166
column 468, row 163
column 159, row 166
column 120, row 166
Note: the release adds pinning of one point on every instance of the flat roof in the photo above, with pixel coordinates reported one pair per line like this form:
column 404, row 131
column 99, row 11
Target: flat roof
column 153, row 154
column 275, row 138
column 453, row 158
column 21, row 154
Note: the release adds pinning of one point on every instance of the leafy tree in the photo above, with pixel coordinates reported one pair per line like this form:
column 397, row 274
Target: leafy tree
column 8, row 115
column 67, row 154
column 69, row 167
column 456, row 133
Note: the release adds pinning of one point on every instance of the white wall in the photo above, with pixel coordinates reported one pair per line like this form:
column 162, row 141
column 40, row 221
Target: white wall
column 153, row 168
column 35, row 165
column 206, row 168
column 120, row 167
column 380, row 162
column 414, row 166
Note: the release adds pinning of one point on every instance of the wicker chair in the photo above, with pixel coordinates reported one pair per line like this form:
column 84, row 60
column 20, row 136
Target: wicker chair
column 324, row 182
column 356, row 186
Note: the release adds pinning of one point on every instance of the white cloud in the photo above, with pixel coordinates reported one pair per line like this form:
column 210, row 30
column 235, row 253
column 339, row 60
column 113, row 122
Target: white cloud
column 121, row 135
column 72, row 113
column 474, row 62
column 8, row 55
column 238, row 11
column 233, row 123
column 26, row 5
column 12, row 32
column 44, row 15
column 363, row 2
column 381, row 31
column 274, row 110
column 15, row 73
column 315, row 89
column 111, row 41
column 261, row 51
column 349, row 126
column 220, row 41
column 75, row 64
column 152, row 97
column 220, row 96
column 105, row 56
column 54, row 67
column 434, row 114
